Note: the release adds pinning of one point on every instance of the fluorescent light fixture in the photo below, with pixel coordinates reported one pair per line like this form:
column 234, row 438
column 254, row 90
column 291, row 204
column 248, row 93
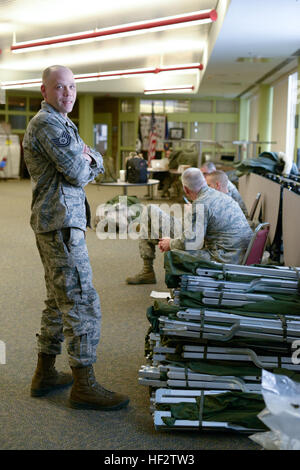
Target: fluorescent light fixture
column 159, row 24
column 109, row 75
column 175, row 89
column 21, row 83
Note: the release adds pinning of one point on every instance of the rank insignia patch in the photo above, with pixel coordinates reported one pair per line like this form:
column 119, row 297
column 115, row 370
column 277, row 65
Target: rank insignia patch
column 63, row 140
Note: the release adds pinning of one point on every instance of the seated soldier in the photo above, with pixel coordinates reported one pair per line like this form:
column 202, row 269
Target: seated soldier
column 222, row 233
column 218, row 180
column 208, row 168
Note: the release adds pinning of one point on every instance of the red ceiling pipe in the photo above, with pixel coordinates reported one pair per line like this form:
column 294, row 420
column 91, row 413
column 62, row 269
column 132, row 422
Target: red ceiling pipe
column 139, row 72
column 212, row 15
column 171, row 89
column 129, row 72
column 33, row 82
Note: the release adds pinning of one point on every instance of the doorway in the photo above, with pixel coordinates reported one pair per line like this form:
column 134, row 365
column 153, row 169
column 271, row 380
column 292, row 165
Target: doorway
column 103, row 133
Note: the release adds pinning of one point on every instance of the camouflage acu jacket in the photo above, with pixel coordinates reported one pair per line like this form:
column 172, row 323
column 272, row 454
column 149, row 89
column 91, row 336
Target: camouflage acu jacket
column 58, row 170
column 225, row 229
column 233, row 192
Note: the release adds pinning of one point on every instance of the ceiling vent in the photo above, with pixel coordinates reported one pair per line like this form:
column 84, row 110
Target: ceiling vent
column 254, row 60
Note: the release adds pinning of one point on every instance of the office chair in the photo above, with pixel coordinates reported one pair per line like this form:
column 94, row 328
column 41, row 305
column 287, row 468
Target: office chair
column 257, row 245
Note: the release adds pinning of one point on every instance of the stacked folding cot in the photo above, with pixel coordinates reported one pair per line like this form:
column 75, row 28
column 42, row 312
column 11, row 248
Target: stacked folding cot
column 207, row 348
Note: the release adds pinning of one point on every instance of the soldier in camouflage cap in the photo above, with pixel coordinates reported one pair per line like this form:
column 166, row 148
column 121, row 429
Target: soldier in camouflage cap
column 218, row 227
column 61, row 165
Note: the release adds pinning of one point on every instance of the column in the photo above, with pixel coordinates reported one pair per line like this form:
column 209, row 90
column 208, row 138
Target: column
column 265, row 106
column 86, row 119
column 244, row 125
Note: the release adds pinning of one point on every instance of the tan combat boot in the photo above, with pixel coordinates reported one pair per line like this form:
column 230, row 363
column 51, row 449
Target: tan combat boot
column 146, row 276
column 46, row 377
column 87, row 394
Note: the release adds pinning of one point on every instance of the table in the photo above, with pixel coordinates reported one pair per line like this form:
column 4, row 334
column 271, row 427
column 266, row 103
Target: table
column 151, row 183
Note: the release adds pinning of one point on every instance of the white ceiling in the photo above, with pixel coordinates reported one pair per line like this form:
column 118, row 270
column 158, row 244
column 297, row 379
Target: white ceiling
column 245, row 28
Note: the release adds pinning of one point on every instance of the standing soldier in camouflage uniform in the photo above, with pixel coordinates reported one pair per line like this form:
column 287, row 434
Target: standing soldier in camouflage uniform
column 208, row 168
column 226, row 232
column 60, row 165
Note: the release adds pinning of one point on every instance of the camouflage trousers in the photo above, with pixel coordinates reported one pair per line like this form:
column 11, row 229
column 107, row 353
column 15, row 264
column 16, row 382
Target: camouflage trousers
column 159, row 224
column 154, row 229
column 72, row 308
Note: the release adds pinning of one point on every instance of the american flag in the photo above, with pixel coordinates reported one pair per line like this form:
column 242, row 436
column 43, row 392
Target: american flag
column 152, row 138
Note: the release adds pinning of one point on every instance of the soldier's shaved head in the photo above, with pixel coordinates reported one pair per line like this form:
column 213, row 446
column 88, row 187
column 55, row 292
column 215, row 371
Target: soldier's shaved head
column 59, row 88
column 49, row 70
column 208, row 167
column 218, row 180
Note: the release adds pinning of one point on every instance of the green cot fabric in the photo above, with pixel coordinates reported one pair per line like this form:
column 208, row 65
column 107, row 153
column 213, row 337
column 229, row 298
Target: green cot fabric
column 236, row 408
column 178, row 263
column 233, row 368
column 289, row 306
column 277, row 349
column 268, row 310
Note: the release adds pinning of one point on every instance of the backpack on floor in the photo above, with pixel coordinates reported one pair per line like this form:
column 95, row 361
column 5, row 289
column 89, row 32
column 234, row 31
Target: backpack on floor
column 136, row 170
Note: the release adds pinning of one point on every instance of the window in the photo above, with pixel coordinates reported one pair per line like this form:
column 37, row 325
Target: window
column 201, row 130
column 35, row 104
column 17, row 121
column 226, row 106
column 201, row 106
column 128, row 134
column 127, row 106
column 146, row 106
column 177, row 106
column 17, row 103
column 226, row 131
column 291, row 115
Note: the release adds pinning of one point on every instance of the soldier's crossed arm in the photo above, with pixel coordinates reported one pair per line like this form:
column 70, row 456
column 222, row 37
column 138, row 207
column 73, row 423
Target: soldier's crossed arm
column 66, row 153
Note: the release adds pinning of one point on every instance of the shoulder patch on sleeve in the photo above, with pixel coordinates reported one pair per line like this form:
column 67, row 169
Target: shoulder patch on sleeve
column 63, row 140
